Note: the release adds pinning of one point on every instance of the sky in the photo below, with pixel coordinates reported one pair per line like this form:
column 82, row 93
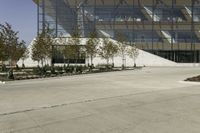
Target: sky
column 22, row 15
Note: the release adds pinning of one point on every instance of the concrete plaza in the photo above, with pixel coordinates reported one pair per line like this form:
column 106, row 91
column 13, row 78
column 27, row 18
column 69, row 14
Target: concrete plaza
column 151, row 100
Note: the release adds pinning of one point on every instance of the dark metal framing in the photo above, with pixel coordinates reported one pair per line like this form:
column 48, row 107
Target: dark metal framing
column 154, row 45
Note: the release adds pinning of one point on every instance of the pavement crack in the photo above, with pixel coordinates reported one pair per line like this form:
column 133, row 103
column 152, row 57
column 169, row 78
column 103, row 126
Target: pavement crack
column 88, row 101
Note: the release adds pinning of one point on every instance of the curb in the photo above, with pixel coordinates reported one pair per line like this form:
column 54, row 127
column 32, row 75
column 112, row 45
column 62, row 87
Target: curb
column 2, row 82
column 190, row 82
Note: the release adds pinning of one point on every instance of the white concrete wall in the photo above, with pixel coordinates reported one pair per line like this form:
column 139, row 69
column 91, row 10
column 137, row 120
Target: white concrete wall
column 28, row 62
column 144, row 59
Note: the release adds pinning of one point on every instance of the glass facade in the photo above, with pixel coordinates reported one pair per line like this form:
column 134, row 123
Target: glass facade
column 59, row 58
column 168, row 28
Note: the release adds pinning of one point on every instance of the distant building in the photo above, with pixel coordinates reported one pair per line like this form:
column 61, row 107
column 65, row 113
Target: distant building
column 167, row 28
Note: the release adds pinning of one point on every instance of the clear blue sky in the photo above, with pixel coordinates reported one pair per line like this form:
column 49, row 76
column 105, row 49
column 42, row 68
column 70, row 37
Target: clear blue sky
column 22, row 15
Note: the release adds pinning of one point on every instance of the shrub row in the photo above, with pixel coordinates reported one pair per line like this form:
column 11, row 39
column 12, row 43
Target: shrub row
column 48, row 70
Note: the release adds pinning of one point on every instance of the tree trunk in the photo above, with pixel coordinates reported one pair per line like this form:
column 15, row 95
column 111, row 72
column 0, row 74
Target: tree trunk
column 75, row 68
column 91, row 61
column 123, row 62
column 10, row 72
column 51, row 62
column 22, row 63
column 107, row 60
column 113, row 64
column 10, row 63
column 134, row 60
column 51, row 57
column 64, row 61
column 107, row 67
column 68, row 62
column 42, row 63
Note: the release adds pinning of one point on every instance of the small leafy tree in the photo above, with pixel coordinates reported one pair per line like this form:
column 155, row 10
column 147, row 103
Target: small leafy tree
column 3, row 55
column 49, row 42
column 91, row 46
column 108, row 50
column 133, row 53
column 104, row 50
column 113, row 51
column 38, row 50
column 69, row 53
column 42, row 47
column 74, row 43
column 21, row 49
column 11, row 45
column 121, row 39
column 25, row 53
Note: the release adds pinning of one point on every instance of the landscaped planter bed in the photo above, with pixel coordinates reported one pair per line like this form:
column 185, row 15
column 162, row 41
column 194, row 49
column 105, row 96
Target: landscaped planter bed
column 26, row 76
column 194, row 79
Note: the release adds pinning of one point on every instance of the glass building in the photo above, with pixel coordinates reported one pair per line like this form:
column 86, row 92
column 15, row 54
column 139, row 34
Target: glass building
column 167, row 28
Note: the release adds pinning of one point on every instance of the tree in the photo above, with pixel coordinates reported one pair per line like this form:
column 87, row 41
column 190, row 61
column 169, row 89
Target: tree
column 38, row 50
column 91, row 46
column 49, row 41
column 104, row 50
column 113, row 51
column 20, row 50
column 74, row 43
column 121, row 40
column 42, row 46
column 108, row 50
column 133, row 53
column 3, row 55
column 25, row 53
column 69, row 53
column 11, row 44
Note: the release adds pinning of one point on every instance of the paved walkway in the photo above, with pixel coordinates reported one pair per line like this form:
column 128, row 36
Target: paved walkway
column 152, row 100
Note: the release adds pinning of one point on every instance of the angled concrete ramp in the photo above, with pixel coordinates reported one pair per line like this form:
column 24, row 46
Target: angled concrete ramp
column 144, row 59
